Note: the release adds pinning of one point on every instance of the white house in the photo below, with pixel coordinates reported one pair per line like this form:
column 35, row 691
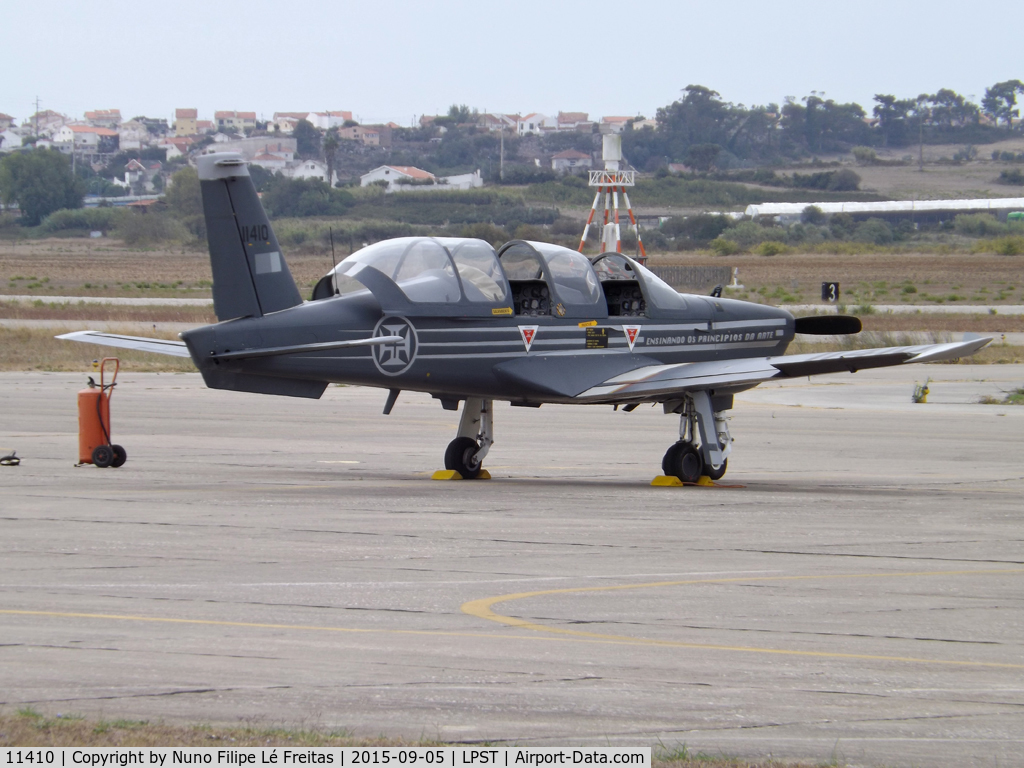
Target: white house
column 461, row 181
column 87, row 138
column 6, row 121
column 573, row 121
column 271, row 162
column 570, row 160
column 310, row 169
column 104, row 118
column 398, row 176
column 616, row 124
column 9, row 140
column 535, row 123
column 232, row 120
column 133, row 135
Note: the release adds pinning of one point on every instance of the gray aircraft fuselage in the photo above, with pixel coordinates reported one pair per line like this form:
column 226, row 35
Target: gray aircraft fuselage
column 456, row 357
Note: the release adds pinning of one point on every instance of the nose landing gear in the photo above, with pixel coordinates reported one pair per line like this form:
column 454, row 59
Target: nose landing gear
column 465, row 454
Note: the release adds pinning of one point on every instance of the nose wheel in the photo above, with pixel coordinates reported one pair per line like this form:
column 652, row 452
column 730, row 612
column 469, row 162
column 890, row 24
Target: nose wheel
column 461, row 455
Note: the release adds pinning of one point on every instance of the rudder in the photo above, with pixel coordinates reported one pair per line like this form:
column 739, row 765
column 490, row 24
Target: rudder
column 250, row 275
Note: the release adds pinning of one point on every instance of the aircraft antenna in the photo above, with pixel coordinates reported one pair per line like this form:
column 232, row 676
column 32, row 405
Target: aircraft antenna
column 610, row 183
column 334, row 262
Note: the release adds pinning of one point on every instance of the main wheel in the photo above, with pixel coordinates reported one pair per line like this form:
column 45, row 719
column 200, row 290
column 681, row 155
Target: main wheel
column 102, row 455
column 461, row 456
column 683, row 460
column 716, row 473
column 120, row 456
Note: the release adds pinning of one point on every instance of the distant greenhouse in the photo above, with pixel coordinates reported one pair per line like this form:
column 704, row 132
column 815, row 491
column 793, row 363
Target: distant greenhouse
column 923, row 211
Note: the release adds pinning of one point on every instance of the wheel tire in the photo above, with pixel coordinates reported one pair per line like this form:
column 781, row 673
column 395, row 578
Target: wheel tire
column 120, row 456
column 671, row 458
column 716, row 473
column 102, row 456
column 683, row 461
column 460, row 456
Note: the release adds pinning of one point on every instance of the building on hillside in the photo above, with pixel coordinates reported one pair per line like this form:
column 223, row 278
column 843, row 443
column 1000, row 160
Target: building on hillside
column 310, row 169
column 134, row 134
column 9, row 140
column 185, row 122
column 570, row 160
column 398, row 175
column 534, row 124
column 104, row 118
column 366, row 134
column 461, row 181
column 45, row 123
column 252, row 146
column 176, row 146
column 614, row 124
column 285, row 122
column 573, row 121
column 272, row 163
column 497, row 122
column 639, row 125
column 230, row 120
column 6, row 121
column 86, row 140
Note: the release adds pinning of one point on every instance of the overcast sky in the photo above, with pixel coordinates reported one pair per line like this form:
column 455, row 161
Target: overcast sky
column 391, row 60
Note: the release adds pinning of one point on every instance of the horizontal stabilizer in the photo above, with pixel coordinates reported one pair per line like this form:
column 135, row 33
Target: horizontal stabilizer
column 300, row 348
column 139, row 343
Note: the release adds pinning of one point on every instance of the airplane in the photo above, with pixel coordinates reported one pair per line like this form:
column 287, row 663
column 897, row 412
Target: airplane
column 530, row 323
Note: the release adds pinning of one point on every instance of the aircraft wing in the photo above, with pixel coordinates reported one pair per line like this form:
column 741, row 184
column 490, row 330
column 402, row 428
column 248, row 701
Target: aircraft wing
column 159, row 346
column 657, row 382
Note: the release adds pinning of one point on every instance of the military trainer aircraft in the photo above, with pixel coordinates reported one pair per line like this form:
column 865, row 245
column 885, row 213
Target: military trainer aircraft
column 530, row 323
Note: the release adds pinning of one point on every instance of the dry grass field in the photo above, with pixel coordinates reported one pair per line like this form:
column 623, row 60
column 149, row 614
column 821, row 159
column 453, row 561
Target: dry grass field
column 67, row 267
column 879, row 278
column 105, row 267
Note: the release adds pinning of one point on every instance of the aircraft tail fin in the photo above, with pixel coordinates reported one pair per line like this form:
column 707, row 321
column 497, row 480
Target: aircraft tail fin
column 250, row 276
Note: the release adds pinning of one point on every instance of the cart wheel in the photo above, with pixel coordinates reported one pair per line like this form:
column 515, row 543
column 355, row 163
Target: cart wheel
column 102, row 456
column 120, row 455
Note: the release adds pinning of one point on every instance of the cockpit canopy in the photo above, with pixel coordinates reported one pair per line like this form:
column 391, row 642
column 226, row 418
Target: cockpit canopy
column 424, row 275
column 448, row 276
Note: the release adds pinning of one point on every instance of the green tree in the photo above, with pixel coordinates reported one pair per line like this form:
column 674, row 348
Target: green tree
column 1000, row 102
column 40, row 182
column 307, row 139
column 701, row 157
column 184, row 197
column 331, row 143
column 892, row 118
column 305, row 197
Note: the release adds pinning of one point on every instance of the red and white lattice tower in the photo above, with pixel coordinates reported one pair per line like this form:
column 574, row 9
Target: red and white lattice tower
column 610, row 183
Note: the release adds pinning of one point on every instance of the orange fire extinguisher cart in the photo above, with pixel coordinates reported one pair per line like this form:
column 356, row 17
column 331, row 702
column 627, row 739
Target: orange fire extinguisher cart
column 94, row 444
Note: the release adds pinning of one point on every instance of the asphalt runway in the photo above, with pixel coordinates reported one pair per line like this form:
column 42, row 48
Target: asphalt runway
column 289, row 562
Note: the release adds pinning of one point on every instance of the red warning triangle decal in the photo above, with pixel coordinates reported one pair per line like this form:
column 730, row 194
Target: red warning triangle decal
column 528, row 332
column 631, row 332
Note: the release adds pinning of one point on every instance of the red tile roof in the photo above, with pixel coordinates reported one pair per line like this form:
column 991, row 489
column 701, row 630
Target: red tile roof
column 409, row 170
column 185, row 114
column 92, row 129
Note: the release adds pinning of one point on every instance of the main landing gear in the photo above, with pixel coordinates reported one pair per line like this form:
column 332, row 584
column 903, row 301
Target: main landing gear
column 465, row 454
column 699, row 450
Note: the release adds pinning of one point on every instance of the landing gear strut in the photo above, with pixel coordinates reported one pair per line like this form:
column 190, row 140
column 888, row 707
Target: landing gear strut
column 704, row 441
column 465, row 454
